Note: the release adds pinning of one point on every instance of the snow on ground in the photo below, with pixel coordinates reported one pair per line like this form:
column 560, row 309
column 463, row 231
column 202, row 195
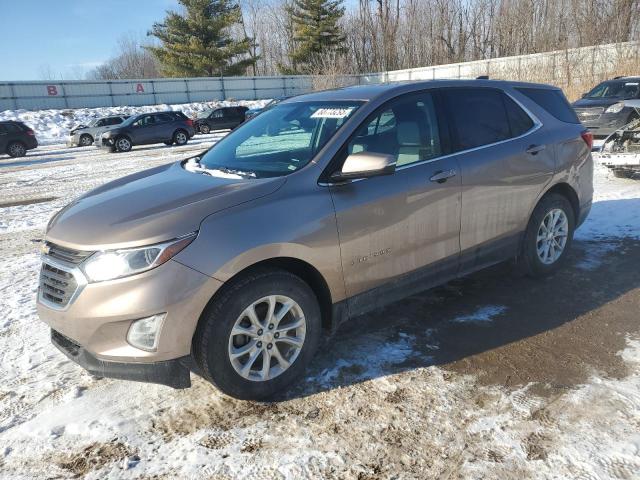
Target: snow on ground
column 356, row 415
column 52, row 126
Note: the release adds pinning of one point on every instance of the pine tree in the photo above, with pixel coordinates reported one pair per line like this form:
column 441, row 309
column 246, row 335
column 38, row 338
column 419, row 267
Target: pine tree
column 315, row 31
column 198, row 42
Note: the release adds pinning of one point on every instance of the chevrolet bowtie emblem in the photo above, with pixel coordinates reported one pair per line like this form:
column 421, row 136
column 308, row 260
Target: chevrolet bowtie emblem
column 44, row 249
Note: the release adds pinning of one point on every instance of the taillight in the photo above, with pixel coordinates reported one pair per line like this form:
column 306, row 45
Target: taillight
column 189, row 122
column 587, row 136
column 30, row 132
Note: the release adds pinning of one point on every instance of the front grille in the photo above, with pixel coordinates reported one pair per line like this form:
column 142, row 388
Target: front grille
column 56, row 285
column 591, row 113
column 68, row 255
column 65, row 343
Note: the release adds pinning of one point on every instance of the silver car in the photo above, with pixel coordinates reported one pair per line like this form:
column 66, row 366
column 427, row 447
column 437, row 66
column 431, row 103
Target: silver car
column 83, row 136
column 234, row 263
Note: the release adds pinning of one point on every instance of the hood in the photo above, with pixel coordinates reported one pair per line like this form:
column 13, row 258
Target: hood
column 150, row 207
column 596, row 102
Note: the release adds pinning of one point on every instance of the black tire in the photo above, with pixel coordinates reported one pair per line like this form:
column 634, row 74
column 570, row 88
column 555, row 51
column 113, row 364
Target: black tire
column 204, row 128
column 85, row 140
column 529, row 259
column 180, row 137
column 123, row 144
column 211, row 341
column 16, row 149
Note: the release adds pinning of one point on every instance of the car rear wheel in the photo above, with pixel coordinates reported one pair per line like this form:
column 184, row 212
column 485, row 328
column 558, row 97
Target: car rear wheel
column 85, row 140
column 180, row 137
column 123, row 144
column 204, row 128
column 258, row 336
column 549, row 236
column 16, row 149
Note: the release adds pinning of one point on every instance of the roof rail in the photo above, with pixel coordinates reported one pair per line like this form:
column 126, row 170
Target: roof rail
column 618, row 77
column 483, row 77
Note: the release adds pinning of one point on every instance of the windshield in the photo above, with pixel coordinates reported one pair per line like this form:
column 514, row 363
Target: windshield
column 93, row 122
column 621, row 89
column 204, row 114
column 280, row 140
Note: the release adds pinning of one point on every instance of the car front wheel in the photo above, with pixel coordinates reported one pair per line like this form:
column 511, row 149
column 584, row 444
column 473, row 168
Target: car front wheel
column 259, row 335
column 123, row 144
column 204, row 128
column 86, row 140
column 549, row 235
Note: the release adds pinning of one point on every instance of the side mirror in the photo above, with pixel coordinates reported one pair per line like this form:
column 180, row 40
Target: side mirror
column 364, row 165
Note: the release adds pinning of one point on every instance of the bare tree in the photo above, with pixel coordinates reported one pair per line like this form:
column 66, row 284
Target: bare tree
column 132, row 60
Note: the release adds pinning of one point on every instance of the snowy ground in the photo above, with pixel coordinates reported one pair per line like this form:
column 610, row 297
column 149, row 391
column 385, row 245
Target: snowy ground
column 477, row 379
column 52, row 126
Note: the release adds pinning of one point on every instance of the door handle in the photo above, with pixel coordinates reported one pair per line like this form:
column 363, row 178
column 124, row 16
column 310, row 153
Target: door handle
column 442, row 176
column 534, row 149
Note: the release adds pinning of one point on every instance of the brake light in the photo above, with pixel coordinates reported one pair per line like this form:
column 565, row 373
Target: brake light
column 30, row 132
column 189, row 122
column 587, row 136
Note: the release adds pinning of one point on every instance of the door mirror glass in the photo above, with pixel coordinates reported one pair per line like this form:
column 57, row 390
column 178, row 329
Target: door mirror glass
column 365, row 165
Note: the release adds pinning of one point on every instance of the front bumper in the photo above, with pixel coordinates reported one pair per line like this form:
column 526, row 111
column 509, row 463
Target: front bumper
column 607, row 124
column 97, row 316
column 173, row 373
column 73, row 140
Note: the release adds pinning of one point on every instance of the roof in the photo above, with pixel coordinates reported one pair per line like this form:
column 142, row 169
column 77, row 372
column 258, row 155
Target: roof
column 372, row 91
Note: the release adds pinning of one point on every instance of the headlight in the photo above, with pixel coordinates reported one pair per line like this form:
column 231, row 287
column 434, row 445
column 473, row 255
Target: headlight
column 615, row 108
column 112, row 264
column 106, row 134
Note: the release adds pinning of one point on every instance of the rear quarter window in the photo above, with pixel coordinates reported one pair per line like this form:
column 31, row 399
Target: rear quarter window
column 553, row 101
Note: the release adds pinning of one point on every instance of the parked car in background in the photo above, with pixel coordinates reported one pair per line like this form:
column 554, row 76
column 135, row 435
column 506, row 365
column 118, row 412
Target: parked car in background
column 223, row 118
column 603, row 110
column 233, row 262
column 620, row 151
column 255, row 111
column 16, row 138
column 83, row 136
column 159, row 127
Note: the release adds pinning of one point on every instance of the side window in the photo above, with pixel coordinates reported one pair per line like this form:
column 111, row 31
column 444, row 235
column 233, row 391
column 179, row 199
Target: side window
column 101, row 123
column 520, row 122
column 553, row 101
column 217, row 114
column 407, row 128
column 13, row 128
column 162, row 118
column 479, row 116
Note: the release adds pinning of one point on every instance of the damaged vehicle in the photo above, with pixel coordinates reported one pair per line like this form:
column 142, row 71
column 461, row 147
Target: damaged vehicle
column 606, row 107
column 83, row 136
column 234, row 263
column 621, row 150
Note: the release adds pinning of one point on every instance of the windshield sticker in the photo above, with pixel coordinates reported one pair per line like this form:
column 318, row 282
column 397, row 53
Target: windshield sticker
column 332, row 112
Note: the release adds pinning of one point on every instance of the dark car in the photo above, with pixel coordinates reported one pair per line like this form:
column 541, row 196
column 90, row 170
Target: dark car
column 256, row 111
column 222, row 118
column 603, row 110
column 158, row 127
column 16, row 138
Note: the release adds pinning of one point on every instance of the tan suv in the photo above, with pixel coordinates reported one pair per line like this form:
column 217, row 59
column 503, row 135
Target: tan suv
column 232, row 264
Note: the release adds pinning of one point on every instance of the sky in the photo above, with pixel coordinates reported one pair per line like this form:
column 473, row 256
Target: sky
column 68, row 37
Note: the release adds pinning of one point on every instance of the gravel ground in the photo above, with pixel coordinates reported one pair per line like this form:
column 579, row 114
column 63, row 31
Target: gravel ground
column 493, row 376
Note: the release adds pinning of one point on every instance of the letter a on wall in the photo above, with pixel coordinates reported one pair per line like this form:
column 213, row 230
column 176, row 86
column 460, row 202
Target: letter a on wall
column 139, row 88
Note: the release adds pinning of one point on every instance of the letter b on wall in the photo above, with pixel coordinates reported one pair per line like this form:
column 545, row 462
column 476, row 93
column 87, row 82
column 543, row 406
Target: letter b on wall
column 52, row 90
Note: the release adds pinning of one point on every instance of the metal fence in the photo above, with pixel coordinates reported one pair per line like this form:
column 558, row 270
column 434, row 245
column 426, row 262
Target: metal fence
column 588, row 65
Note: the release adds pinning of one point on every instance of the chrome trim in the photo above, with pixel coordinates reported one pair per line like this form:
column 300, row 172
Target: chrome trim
column 81, row 282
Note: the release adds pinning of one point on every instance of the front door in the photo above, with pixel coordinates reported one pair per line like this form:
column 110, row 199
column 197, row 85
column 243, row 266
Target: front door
column 400, row 231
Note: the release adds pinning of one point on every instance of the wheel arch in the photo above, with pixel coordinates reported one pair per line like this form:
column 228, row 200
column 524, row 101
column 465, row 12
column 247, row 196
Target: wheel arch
column 302, row 269
column 13, row 142
column 568, row 192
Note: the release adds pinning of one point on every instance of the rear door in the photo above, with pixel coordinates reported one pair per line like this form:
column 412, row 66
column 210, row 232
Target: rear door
column 142, row 130
column 400, row 229
column 504, row 164
column 164, row 127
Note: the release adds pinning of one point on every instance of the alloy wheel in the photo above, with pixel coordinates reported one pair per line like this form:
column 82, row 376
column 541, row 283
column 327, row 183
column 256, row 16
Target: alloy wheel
column 181, row 138
column 552, row 236
column 17, row 150
column 124, row 145
column 267, row 338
